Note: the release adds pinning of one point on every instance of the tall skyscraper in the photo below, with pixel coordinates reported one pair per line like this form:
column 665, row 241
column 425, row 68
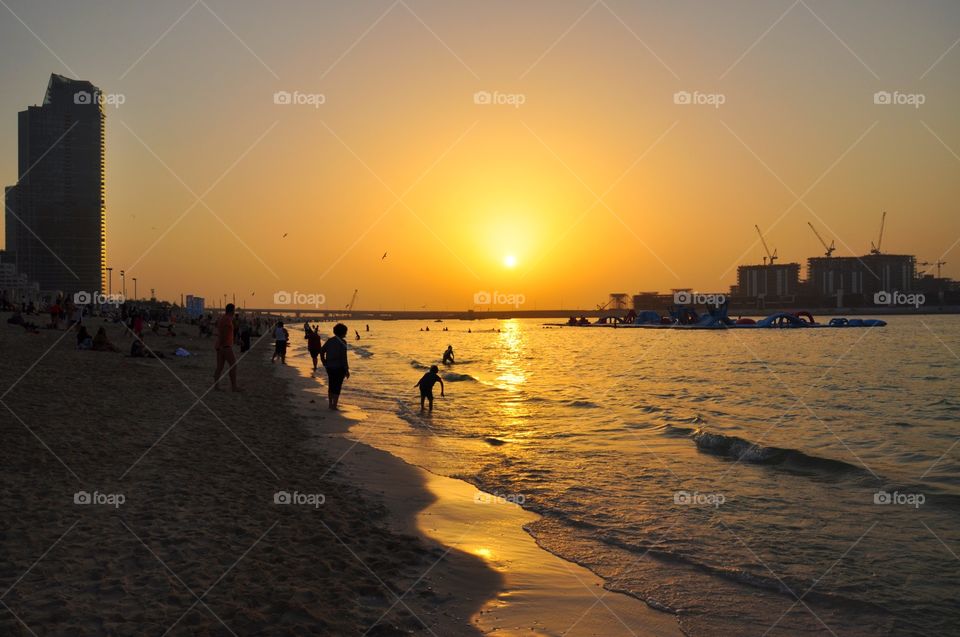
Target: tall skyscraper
column 56, row 215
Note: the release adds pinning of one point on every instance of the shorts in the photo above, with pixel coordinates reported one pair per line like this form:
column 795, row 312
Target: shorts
column 427, row 394
column 280, row 349
column 336, row 376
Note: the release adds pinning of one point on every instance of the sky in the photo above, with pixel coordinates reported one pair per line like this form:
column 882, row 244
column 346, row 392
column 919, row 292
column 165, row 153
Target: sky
column 552, row 151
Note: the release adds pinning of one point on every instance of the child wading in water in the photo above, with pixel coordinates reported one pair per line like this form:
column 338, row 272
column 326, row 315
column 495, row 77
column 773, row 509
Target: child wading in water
column 426, row 384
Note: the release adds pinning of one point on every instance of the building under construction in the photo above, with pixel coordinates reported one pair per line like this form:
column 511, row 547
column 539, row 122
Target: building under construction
column 860, row 277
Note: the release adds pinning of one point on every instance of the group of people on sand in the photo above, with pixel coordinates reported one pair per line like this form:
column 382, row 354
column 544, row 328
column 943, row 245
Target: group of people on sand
column 332, row 353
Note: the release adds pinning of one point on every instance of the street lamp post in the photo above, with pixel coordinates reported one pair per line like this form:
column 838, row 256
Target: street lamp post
column 123, row 284
column 135, row 288
column 110, row 281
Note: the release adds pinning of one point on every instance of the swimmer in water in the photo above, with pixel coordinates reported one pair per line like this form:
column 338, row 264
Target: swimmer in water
column 448, row 356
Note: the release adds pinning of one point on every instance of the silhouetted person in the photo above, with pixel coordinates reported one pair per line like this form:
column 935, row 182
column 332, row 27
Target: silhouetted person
column 314, row 345
column 448, row 356
column 426, row 384
column 333, row 355
column 224, row 348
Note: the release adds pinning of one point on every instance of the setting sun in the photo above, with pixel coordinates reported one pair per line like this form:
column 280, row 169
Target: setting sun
column 510, row 261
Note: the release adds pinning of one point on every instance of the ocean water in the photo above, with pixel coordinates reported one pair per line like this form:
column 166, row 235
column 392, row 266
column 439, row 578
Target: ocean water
column 775, row 482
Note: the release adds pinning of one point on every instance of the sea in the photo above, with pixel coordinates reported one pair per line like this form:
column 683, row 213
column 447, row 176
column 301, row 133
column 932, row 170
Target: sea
column 750, row 482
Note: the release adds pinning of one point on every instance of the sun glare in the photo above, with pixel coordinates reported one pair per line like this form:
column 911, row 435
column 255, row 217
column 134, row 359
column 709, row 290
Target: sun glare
column 510, row 261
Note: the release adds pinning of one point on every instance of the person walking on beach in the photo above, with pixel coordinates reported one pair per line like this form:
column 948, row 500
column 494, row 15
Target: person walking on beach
column 224, row 347
column 333, row 356
column 314, row 345
column 280, row 335
column 426, row 384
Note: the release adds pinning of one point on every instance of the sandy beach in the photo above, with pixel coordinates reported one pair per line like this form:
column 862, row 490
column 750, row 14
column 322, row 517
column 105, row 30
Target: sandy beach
column 183, row 536
column 138, row 501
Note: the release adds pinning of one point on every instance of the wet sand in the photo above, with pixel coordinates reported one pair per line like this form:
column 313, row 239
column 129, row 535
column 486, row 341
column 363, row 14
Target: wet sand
column 539, row 594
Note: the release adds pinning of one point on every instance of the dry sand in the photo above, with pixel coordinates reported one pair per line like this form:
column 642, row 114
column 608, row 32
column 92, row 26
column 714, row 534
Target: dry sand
column 198, row 545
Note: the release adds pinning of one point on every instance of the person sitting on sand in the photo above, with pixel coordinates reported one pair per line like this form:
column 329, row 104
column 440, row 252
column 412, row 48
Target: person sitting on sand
column 224, row 349
column 426, row 384
column 314, row 345
column 83, row 338
column 448, row 356
column 138, row 349
column 101, row 343
column 333, row 356
column 280, row 336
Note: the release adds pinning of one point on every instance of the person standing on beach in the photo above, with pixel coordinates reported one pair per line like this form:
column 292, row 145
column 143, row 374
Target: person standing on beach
column 280, row 335
column 224, row 348
column 333, row 355
column 314, row 345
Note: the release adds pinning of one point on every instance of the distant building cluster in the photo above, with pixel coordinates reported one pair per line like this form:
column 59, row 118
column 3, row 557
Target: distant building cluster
column 55, row 215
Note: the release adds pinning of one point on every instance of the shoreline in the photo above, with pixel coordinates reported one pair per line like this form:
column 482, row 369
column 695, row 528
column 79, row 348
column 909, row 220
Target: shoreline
column 535, row 592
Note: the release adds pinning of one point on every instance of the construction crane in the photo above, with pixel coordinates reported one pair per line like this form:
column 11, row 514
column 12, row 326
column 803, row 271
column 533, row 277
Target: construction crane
column 875, row 249
column 771, row 256
column 829, row 248
column 353, row 300
column 940, row 263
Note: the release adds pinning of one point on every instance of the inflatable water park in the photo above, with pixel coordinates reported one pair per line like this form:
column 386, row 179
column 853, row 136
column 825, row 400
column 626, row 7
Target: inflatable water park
column 685, row 317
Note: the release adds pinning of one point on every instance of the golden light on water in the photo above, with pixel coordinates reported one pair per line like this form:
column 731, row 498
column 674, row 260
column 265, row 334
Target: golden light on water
column 483, row 552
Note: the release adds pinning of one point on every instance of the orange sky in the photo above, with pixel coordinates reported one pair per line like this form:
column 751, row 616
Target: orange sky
column 597, row 182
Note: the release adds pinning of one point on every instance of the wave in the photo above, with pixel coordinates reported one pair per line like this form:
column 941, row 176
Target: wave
column 453, row 377
column 583, row 404
column 362, row 352
column 741, row 449
column 414, row 363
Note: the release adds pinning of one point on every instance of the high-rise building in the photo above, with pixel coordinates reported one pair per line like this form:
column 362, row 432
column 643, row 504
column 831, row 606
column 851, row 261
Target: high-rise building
column 55, row 215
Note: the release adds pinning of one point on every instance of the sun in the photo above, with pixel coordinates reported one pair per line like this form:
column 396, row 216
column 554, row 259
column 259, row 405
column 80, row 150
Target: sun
column 510, row 261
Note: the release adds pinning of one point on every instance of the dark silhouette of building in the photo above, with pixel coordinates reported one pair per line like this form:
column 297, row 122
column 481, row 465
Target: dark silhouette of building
column 861, row 277
column 769, row 282
column 55, row 214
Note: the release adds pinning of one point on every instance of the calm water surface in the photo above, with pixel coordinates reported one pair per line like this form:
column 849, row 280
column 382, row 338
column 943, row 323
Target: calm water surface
column 775, row 482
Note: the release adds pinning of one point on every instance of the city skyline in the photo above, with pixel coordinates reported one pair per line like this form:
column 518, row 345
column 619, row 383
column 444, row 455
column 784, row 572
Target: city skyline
column 247, row 161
